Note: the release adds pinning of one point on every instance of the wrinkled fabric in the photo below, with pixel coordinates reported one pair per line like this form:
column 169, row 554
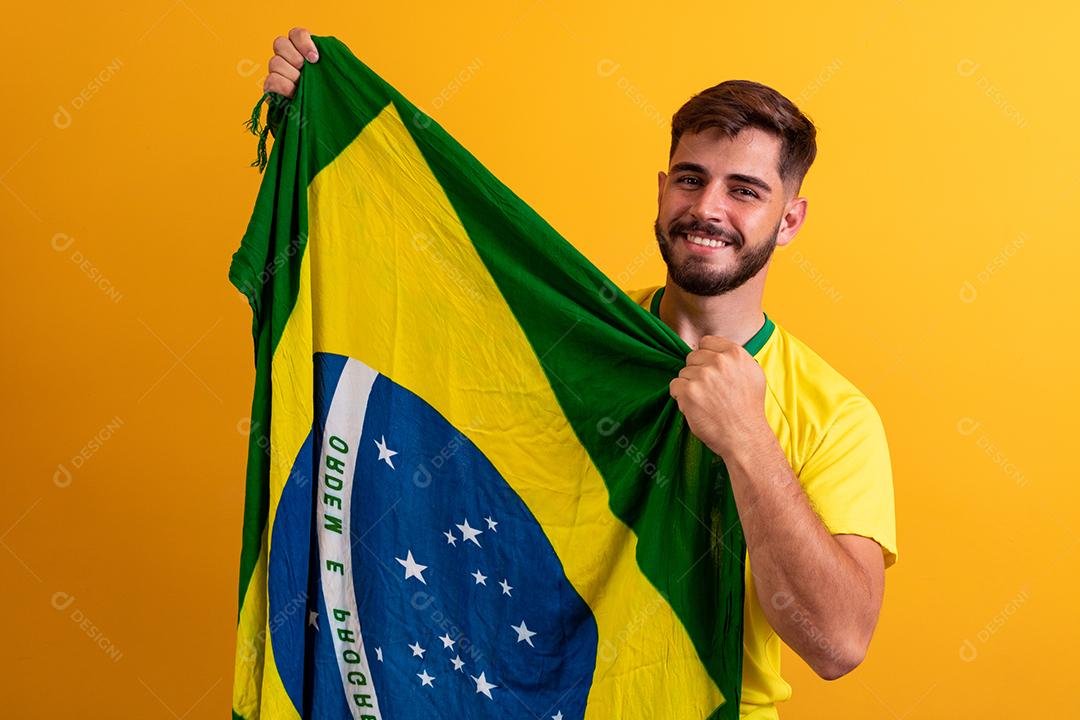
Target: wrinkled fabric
column 469, row 492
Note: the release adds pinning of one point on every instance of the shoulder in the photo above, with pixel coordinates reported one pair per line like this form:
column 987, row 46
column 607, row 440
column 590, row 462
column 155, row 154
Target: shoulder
column 793, row 367
column 834, row 439
column 642, row 296
column 811, row 394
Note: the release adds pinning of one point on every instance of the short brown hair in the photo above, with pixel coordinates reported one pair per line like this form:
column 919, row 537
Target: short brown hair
column 737, row 104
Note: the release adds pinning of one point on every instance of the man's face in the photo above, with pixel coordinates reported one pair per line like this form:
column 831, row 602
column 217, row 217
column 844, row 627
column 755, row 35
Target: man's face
column 721, row 208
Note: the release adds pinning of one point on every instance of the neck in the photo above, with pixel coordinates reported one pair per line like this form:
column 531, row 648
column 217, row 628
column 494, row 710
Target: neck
column 735, row 315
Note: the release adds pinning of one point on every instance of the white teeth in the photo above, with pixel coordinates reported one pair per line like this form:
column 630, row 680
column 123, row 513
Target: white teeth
column 707, row 242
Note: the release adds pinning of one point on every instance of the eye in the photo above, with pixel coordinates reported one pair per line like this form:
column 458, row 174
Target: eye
column 691, row 179
column 752, row 193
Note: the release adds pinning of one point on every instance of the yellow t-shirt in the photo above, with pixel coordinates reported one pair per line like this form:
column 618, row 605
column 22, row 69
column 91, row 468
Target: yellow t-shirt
column 835, row 442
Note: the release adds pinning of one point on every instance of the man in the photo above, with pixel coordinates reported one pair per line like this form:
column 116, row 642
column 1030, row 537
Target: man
column 805, row 449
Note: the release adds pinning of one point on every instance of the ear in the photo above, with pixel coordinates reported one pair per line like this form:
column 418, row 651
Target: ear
column 661, row 180
column 793, row 219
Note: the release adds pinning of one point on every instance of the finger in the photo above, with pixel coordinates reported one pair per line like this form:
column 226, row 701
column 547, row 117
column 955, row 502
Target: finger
column 701, row 357
column 301, row 40
column 676, row 387
column 282, row 67
column 284, row 48
column 277, row 84
column 691, row 372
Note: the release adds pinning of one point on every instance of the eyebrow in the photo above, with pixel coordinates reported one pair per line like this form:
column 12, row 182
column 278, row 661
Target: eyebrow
column 737, row 177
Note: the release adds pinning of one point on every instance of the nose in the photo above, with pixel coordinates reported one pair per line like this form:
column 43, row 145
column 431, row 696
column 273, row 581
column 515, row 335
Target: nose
column 710, row 205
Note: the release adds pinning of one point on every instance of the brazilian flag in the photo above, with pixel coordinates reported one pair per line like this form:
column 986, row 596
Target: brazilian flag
column 469, row 493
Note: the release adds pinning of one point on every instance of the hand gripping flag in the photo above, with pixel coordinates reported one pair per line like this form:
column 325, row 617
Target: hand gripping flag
column 469, row 492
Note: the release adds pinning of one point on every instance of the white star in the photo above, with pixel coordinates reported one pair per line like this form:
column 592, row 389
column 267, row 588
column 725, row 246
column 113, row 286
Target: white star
column 385, row 453
column 482, row 685
column 451, row 539
column 417, row 651
column 506, row 587
column 481, row 579
column 447, row 642
column 378, row 654
column 557, row 716
column 468, row 533
column 491, row 524
column 412, row 568
column 524, row 633
column 458, row 664
column 313, row 619
column 425, row 679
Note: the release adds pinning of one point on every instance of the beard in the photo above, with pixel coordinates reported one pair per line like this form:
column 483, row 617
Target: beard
column 697, row 276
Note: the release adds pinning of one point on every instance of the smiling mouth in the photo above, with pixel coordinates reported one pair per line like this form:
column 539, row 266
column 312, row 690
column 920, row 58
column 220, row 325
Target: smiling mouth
column 708, row 241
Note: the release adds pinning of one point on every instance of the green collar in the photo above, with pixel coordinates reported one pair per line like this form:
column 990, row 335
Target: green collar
column 752, row 346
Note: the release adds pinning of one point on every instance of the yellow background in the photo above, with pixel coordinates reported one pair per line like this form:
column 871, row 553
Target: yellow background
column 935, row 271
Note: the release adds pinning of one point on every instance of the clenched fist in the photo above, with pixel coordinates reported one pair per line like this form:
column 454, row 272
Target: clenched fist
column 721, row 391
column 289, row 56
